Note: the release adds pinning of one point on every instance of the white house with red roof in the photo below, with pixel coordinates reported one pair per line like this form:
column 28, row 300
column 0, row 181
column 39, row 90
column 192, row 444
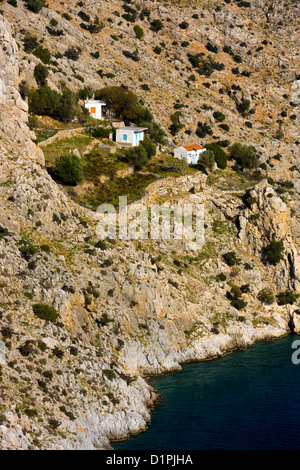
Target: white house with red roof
column 190, row 153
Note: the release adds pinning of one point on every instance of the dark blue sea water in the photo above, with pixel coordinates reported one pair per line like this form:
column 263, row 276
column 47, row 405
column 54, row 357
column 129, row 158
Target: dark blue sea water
column 248, row 399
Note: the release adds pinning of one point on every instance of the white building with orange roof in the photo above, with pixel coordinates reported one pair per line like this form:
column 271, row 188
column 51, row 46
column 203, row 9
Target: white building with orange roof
column 190, row 153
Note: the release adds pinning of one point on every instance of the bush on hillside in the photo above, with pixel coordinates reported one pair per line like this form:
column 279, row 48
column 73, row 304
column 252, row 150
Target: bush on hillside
column 230, row 258
column 266, row 296
column 137, row 157
column 45, row 312
column 150, row 147
column 203, row 129
column 244, row 156
column 273, row 252
column 207, row 159
column 287, row 297
column 139, row 32
column 43, row 54
column 35, row 5
column 45, row 101
column 220, row 155
column 68, row 168
column 156, row 25
column 41, row 74
column 122, row 102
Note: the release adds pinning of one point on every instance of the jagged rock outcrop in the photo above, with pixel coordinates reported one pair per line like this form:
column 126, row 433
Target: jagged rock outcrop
column 126, row 308
column 16, row 137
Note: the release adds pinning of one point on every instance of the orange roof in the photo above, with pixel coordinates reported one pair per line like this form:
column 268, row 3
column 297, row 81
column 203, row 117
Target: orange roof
column 189, row 148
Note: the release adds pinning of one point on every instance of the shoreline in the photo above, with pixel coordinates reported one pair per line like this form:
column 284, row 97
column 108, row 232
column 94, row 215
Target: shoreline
column 160, row 397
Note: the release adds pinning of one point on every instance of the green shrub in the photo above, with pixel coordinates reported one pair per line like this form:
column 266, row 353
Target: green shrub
column 239, row 304
column 43, row 54
column 28, row 249
column 236, row 292
column 84, row 16
column 210, row 47
column 207, row 159
column 45, row 312
column 230, row 258
column 121, row 101
column 66, row 16
column 85, row 93
column 273, row 252
column 35, row 5
column 72, row 53
column 137, row 157
column 244, row 156
column 203, row 129
column 157, row 50
column 244, row 106
column 149, row 146
column 109, row 373
column 26, row 349
column 68, row 168
column 183, row 25
column 44, row 101
column 220, row 155
column 73, row 350
column 41, row 74
column 219, row 116
column 67, row 106
column 139, row 32
column 287, row 297
column 31, row 413
column 100, row 132
column 156, row 25
column 266, row 296
column 104, row 320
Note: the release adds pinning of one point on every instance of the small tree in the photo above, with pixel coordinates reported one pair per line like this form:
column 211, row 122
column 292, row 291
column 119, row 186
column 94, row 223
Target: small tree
column 230, row 258
column 220, row 155
column 41, row 74
column 44, row 101
column 43, row 54
column 156, row 25
column 273, row 252
column 68, row 168
column 266, row 296
column 149, row 147
column 35, row 5
column 121, row 101
column 45, row 312
column 137, row 156
column 203, row 129
column 67, row 107
column 244, row 156
column 207, row 159
column 139, row 32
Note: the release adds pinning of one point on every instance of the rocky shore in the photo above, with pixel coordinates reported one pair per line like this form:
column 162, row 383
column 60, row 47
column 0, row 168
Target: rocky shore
column 83, row 321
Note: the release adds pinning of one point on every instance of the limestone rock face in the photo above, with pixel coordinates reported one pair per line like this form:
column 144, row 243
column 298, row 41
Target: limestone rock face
column 130, row 308
column 15, row 134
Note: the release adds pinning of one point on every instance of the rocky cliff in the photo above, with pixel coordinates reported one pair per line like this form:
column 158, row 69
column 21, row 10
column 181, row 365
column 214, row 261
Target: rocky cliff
column 15, row 135
column 74, row 377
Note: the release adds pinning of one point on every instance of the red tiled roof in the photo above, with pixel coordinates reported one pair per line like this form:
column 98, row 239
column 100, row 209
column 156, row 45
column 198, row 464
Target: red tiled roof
column 189, row 148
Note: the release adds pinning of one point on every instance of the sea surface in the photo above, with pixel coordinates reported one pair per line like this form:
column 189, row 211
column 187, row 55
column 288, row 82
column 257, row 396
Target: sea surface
column 245, row 400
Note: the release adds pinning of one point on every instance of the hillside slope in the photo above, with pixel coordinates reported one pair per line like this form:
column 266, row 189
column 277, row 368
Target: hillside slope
column 83, row 323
